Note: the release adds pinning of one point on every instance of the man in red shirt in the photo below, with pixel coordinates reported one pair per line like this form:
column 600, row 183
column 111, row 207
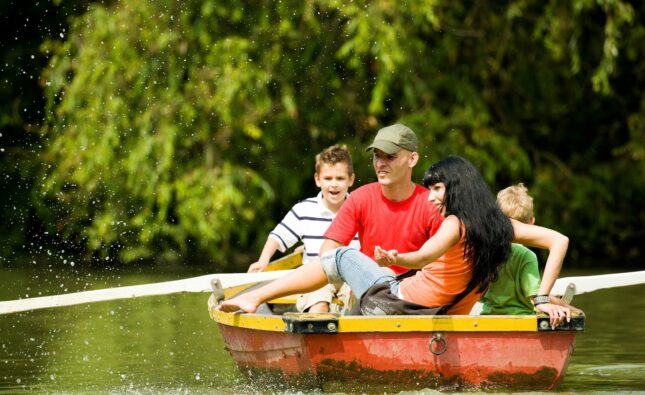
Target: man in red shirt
column 392, row 213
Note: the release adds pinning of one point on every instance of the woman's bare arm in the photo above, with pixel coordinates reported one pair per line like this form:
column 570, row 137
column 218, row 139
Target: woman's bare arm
column 557, row 244
column 447, row 236
column 549, row 239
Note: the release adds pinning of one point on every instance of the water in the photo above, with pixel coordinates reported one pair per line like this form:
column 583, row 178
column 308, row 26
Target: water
column 168, row 344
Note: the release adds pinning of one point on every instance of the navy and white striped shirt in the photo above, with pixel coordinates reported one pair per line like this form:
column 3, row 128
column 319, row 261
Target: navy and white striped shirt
column 307, row 221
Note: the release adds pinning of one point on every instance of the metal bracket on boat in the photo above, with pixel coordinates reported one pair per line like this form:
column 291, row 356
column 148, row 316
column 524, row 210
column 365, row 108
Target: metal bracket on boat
column 438, row 344
column 577, row 323
column 218, row 291
column 310, row 323
column 569, row 293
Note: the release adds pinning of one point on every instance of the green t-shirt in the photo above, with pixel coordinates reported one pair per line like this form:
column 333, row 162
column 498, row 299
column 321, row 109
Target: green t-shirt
column 518, row 279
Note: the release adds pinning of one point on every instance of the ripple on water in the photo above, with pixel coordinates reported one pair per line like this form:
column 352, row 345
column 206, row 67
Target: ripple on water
column 626, row 369
column 622, row 377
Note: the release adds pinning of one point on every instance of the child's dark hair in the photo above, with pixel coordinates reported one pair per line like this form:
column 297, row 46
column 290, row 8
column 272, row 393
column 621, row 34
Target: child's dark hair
column 335, row 154
column 488, row 231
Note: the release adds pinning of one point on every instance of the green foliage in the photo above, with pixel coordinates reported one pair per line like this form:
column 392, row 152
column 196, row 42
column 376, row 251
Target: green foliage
column 189, row 128
column 21, row 112
column 139, row 132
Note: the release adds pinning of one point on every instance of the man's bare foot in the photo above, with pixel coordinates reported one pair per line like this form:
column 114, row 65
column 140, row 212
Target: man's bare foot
column 245, row 302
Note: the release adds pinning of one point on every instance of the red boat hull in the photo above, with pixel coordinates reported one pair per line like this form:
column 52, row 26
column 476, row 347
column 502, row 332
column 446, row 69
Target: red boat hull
column 518, row 360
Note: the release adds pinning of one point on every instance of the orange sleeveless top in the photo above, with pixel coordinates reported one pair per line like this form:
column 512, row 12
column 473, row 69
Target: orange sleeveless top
column 439, row 282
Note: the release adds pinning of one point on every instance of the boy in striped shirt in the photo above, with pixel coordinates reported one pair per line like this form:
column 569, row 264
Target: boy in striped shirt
column 308, row 220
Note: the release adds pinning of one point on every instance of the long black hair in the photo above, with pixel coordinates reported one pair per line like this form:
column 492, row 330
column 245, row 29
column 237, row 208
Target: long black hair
column 488, row 231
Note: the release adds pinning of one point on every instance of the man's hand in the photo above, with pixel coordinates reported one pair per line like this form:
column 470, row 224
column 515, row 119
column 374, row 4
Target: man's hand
column 385, row 258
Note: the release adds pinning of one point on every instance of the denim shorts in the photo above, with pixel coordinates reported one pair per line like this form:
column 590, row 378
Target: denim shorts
column 358, row 270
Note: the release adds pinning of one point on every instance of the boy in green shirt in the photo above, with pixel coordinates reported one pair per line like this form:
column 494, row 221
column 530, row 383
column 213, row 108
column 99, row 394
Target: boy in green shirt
column 519, row 282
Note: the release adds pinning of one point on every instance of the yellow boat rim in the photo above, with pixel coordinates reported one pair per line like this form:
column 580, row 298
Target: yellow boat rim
column 334, row 323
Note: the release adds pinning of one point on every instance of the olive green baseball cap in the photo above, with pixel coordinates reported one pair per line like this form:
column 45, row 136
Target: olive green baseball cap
column 391, row 139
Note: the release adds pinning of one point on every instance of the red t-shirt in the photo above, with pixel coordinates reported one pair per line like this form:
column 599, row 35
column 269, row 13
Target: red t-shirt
column 402, row 226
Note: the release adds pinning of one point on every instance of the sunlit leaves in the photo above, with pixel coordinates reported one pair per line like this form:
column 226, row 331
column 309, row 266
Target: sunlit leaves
column 141, row 119
column 190, row 127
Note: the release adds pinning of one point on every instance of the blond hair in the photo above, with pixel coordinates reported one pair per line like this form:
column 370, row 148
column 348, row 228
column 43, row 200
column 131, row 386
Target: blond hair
column 335, row 154
column 515, row 202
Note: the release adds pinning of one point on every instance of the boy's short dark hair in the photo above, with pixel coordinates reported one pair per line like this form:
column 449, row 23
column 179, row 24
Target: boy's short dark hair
column 335, row 154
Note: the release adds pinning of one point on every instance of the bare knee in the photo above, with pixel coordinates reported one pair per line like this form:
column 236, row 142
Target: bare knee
column 320, row 307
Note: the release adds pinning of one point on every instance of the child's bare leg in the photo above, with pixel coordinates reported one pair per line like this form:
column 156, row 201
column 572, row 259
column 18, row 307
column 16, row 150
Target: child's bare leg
column 305, row 279
column 320, row 307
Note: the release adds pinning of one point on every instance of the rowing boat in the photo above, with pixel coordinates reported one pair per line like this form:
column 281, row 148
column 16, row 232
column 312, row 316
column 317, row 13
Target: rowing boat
column 405, row 352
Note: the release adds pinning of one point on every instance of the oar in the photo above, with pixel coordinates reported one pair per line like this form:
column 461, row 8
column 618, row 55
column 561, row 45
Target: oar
column 583, row 284
column 567, row 287
column 194, row 284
